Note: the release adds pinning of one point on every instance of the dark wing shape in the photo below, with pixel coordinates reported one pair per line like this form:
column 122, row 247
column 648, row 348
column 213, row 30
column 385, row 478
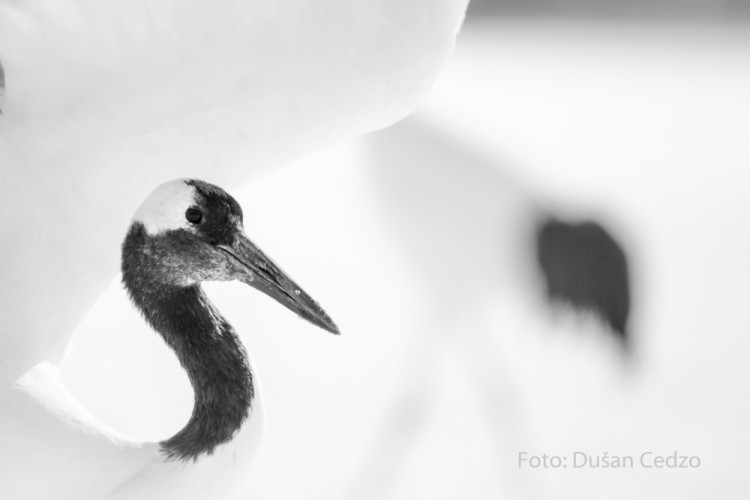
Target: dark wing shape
column 585, row 267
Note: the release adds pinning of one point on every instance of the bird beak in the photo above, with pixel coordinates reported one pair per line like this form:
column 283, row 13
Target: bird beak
column 257, row 270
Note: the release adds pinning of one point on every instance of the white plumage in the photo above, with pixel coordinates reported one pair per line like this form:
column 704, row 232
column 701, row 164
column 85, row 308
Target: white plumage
column 102, row 101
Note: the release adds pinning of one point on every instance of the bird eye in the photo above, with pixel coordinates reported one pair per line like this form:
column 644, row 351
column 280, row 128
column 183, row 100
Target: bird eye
column 193, row 215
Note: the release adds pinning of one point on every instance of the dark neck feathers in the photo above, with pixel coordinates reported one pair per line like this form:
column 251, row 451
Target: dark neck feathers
column 205, row 343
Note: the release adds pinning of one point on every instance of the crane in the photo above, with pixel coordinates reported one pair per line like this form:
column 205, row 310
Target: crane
column 100, row 101
column 186, row 232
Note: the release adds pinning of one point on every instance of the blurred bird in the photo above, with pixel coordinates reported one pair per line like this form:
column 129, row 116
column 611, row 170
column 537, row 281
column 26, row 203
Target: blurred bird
column 485, row 248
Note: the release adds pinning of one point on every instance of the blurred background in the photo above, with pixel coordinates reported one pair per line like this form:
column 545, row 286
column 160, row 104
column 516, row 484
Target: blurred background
column 573, row 152
column 639, row 10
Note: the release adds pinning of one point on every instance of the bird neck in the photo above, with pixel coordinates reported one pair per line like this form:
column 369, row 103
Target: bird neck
column 214, row 358
column 217, row 364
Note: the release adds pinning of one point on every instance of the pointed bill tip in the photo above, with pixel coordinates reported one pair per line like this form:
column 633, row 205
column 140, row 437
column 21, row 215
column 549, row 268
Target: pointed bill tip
column 322, row 320
column 257, row 270
column 333, row 329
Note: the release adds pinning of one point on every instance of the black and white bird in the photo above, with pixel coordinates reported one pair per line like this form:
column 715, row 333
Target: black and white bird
column 99, row 101
column 186, row 232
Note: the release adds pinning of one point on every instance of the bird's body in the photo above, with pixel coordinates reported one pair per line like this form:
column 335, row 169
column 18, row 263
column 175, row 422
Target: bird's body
column 185, row 233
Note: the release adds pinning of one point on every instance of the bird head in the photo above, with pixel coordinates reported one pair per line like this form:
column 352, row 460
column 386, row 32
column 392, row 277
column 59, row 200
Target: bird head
column 189, row 231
